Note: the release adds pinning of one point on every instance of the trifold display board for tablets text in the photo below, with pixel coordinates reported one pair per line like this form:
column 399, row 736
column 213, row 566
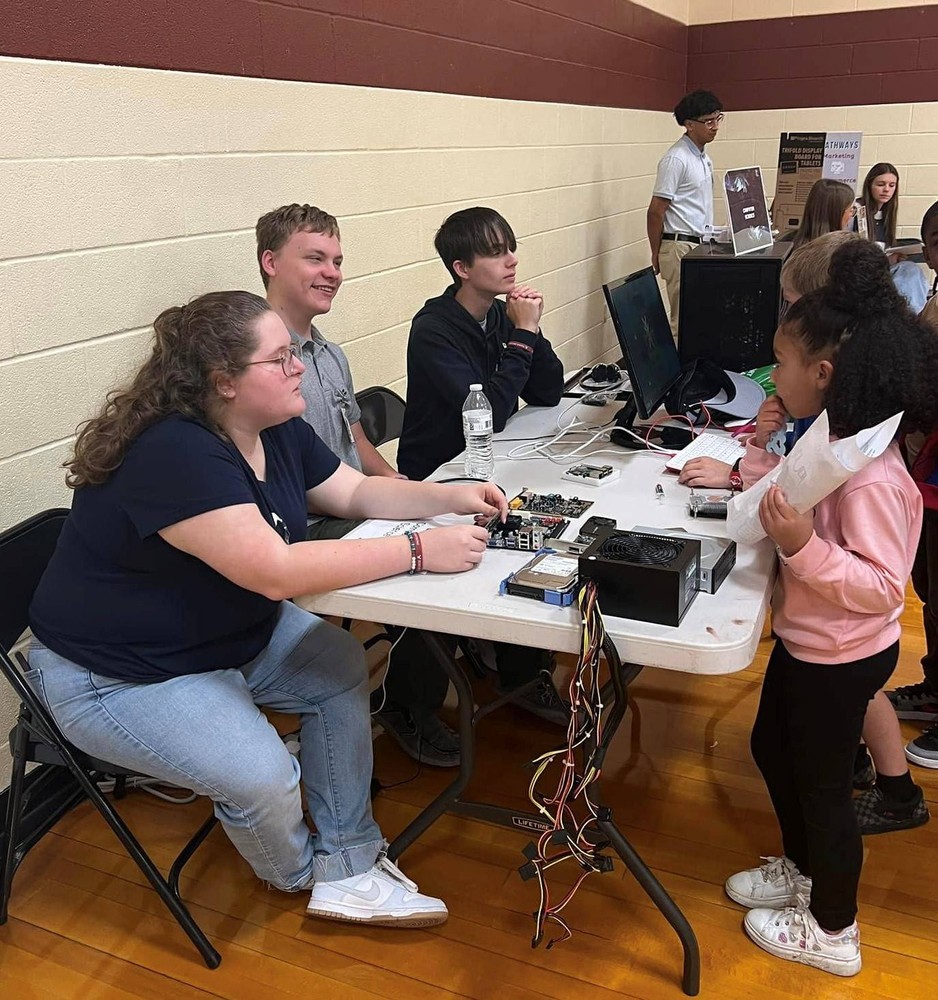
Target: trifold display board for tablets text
column 806, row 157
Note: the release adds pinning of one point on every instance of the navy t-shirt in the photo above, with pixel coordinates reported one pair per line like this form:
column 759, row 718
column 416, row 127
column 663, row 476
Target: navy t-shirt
column 122, row 602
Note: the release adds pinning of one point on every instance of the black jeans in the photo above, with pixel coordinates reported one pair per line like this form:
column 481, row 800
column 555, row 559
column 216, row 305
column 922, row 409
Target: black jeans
column 804, row 741
column 925, row 582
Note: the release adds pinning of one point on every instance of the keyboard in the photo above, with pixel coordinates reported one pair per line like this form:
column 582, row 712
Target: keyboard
column 722, row 447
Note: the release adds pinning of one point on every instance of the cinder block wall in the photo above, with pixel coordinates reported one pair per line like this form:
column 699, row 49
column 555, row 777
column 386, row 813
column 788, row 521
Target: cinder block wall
column 128, row 189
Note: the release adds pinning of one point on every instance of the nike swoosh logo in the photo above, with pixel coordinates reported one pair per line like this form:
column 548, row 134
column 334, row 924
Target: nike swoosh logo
column 372, row 895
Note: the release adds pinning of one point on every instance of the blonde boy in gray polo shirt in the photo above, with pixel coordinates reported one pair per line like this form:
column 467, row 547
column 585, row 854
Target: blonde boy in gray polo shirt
column 681, row 207
column 300, row 259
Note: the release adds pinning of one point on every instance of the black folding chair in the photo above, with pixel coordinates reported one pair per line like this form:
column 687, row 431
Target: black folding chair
column 382, row 417
column 34, row 807
column 382, row 420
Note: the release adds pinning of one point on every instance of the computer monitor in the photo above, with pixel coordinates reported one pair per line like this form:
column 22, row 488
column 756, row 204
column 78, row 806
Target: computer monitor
column 644, row 333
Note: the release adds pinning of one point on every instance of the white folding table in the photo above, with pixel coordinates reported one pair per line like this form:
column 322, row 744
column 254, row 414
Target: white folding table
column 719, row 634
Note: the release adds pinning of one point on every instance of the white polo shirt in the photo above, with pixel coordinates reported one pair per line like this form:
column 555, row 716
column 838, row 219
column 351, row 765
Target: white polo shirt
column 685, row 178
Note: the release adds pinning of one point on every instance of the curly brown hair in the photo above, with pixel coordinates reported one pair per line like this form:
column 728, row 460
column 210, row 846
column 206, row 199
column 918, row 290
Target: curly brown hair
column 192, row 345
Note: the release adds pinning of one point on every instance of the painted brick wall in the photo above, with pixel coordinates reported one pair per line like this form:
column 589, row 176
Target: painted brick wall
column 864, row 57
column 601, row 52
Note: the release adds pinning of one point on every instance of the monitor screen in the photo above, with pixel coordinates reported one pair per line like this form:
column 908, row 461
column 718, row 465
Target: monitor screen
column 644, row 333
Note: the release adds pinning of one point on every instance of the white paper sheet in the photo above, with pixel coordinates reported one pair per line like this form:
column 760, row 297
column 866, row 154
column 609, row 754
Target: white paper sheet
column 378, row 528
column 815, row 468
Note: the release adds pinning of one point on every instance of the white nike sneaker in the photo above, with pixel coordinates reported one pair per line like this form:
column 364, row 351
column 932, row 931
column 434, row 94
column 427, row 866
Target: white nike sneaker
column 777, row 884
column 384, row 896
column 795, row 935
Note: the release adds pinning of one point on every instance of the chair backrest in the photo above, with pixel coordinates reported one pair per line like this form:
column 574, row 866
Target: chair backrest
column 25, row 550
column 382, row 414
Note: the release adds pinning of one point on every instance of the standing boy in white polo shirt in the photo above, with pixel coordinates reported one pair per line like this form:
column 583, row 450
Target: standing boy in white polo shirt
column 681, row 207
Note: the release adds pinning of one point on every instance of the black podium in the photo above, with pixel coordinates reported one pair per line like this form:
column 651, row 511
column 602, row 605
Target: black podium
column 729, row 305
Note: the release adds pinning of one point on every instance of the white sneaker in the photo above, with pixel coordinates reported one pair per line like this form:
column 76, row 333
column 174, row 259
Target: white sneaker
column 795, row 935
column 384, row 895
column 777, row 884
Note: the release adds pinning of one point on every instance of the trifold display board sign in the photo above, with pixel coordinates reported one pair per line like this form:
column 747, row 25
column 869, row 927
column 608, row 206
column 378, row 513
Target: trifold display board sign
column 805, row 157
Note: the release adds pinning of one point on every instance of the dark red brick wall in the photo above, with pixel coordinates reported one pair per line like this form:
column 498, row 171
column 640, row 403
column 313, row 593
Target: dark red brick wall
column 865, row 57
column 603, row 52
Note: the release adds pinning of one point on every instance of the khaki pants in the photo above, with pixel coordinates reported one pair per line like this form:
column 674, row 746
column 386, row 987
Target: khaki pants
column 669, row 263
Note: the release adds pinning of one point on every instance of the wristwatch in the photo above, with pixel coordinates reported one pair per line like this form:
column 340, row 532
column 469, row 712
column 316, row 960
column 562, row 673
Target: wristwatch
column 736, row 480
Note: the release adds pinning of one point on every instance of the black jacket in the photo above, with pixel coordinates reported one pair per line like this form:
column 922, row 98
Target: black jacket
column 447, row 351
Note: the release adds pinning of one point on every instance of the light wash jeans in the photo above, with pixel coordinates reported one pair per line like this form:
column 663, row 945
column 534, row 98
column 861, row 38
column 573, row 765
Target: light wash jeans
column 204, row 732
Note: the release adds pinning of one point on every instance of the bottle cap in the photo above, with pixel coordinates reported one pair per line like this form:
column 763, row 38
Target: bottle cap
column 475, row 387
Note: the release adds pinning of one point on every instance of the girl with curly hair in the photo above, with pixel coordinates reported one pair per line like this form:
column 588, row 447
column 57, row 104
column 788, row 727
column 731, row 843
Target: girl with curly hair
column 854, row 349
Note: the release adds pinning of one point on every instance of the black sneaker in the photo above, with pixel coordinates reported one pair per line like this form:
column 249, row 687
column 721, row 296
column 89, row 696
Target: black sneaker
column 923, row 750
column 428, row 740
column 916, row 702
column 543, row 701
column 864, row 774
column 877, row 814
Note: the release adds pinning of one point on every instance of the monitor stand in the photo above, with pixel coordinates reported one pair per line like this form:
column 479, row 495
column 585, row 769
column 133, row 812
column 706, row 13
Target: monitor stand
column 665, row 436
column 624, row 422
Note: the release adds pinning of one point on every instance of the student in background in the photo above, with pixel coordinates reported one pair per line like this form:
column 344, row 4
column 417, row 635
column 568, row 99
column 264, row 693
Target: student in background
column 829, row 207
column 920, row 701
column 836, row 607
column 880, row 202
column 681, row 208
column 805, row 270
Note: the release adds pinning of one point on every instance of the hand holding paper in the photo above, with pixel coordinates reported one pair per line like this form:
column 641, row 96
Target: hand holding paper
column 815, row 468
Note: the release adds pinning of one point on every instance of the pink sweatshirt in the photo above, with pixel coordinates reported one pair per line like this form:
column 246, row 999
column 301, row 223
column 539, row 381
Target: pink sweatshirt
column 839, row 599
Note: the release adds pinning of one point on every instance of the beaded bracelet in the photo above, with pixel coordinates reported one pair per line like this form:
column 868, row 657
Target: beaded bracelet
column 412, row 541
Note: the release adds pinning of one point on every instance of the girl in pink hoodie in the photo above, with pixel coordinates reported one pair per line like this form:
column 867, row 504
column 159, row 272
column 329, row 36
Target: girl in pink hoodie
column 855, row 349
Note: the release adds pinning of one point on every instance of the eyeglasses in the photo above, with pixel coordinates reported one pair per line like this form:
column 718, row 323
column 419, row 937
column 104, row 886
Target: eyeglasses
column 713, row 122
column 287, row 361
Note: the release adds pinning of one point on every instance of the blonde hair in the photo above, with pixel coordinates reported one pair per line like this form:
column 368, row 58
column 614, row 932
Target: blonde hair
column 806, row 268
column 276, row 227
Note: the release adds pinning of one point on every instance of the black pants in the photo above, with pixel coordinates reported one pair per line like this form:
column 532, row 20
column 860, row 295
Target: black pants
column 804, row 742
column 414, row 680
column 925, row 582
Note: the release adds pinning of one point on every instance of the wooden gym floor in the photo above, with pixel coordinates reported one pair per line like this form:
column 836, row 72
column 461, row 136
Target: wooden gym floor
column 84, row 923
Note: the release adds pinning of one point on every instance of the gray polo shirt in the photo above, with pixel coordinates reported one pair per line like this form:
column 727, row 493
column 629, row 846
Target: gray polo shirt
column 331, row 407
column 685, row 178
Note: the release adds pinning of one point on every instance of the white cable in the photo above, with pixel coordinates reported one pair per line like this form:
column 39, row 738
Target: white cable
column 387, row 667
column 152, row 786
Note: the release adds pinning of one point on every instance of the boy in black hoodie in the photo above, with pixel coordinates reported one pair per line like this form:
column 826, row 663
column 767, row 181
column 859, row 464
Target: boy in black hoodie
column 467, row 335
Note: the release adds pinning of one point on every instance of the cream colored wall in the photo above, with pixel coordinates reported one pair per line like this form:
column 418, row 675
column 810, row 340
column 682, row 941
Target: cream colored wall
column 678, row 10
column 711, row 11
column 129, row 190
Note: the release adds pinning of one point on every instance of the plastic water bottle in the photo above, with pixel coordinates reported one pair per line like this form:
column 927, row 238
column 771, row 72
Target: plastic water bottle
column 477, row 428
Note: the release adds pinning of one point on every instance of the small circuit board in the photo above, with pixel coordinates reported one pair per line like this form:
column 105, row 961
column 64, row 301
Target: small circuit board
column 524, row 532
column 552, row 504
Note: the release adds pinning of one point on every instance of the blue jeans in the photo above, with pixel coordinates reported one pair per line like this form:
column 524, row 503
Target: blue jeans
column 204, row 731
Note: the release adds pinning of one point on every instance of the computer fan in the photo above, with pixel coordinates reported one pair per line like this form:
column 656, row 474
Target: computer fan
column 648, row 577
